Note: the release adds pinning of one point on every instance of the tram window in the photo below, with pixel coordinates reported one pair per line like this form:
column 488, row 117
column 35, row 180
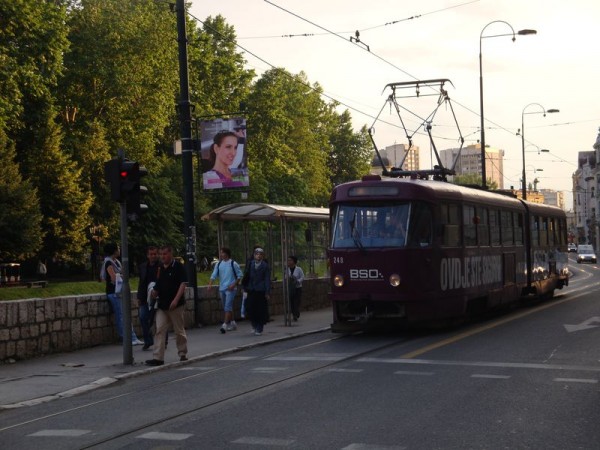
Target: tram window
column 551, row 231
column 535, row 231
column 420, row 226
column 450, row 220
column 469, row 226
column 506, row 221
column 562, row 233
column 543, row 231
column 518, row 222
column 495, row 226
column 483, row 230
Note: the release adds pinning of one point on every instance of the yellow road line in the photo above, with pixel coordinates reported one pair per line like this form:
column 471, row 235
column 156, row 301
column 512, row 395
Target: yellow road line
column 489, row 326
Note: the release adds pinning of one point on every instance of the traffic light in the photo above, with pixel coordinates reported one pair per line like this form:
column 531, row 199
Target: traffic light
column 112, row 177
column 124, row 177
column 131, row 174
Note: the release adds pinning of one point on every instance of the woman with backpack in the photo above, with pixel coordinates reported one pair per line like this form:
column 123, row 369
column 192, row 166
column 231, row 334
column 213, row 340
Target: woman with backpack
column 111, row 273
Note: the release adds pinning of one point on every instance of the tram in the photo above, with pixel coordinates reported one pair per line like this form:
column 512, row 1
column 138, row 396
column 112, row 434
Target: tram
column 412, row 250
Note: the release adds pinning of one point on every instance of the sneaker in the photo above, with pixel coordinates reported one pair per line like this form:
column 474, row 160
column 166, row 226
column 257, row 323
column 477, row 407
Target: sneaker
column 223, row 329
column 183, row 358
column 146, row 347
column 232, row 326
column 257, row 333
column 137, row 342
column 154, row 362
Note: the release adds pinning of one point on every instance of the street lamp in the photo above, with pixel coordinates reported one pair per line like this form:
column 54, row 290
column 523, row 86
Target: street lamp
column 482, row 131
column 543, row 111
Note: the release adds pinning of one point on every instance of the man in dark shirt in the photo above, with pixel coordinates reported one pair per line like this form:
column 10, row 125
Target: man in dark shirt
column 169, row 291
column 148, row 273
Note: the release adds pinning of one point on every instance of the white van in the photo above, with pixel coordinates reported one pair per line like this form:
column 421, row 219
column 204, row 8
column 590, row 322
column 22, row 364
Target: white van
column 585, row 253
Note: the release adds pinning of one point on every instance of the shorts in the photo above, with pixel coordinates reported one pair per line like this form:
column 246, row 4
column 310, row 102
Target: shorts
column 227, row 298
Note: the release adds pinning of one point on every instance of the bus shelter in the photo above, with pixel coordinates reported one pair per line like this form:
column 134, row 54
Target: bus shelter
column 281, row 230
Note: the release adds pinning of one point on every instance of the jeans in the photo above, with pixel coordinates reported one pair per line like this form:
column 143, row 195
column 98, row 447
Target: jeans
column 146, row 319
column 115, row 302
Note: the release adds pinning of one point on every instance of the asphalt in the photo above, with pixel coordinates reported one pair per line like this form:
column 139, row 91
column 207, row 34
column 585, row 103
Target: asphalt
column 34, row 381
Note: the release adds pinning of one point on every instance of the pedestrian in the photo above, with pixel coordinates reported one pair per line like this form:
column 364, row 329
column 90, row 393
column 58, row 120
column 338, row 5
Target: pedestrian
column 148, row 274
column 230, row 275
column 295, row 279
column 169, row 291
column 111, row 273
column 258, row 285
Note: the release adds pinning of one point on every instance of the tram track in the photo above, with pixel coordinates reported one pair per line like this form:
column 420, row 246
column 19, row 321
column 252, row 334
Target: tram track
column 326, row 364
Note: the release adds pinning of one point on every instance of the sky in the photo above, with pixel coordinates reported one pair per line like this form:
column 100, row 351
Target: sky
column 557, row 68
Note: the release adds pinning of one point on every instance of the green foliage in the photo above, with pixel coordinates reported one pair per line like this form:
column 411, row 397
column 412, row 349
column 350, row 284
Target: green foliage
column 474, row 180
column 80, row 79
column 64, row 204
column 20, row 216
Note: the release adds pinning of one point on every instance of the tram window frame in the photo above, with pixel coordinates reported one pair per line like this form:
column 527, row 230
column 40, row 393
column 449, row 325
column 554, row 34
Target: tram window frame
column 518, row 226
column 483, row 228
column 506, row 226
column 469, row 226
column 450, row 221
column 495, row 235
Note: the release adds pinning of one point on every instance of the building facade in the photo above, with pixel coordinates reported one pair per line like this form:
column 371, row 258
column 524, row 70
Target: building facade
column 395, row 156
column 586, row 206
column 469, row 162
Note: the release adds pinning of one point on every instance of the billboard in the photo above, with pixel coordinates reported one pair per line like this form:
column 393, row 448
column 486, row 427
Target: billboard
column 223, row 154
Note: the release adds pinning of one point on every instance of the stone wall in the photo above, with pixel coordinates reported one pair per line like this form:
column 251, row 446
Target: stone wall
column 36, row 327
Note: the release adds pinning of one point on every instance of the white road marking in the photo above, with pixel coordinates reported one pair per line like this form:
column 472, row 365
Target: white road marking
column 345, row 370
column 196, row 369
column 157, row 435
column 478, row 364
column 60, row 433
column 269, row 369
column 251, row 440
column 486, row 375
column 372, row 447
column 410, row 372
column 237, row 358
column 576, row 380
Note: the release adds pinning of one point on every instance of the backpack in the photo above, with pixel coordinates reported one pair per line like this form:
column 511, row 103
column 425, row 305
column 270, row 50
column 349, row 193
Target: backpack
column 232, row 268
column 116, row 266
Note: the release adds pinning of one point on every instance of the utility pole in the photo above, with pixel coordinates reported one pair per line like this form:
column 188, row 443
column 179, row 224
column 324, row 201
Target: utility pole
column 187, row 146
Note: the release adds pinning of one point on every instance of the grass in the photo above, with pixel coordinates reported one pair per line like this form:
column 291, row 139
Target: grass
column 63, row 289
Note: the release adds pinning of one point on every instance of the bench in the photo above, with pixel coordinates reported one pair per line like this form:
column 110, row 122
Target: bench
column 38, row 283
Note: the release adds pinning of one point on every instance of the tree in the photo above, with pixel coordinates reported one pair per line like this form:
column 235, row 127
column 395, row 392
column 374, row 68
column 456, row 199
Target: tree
column 473, row 179
column 350, row 155
column 289, row 144
column 20, row 216
column 64, row 204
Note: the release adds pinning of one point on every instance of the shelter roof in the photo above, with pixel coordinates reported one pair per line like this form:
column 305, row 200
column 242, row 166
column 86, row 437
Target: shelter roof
column 266, row 212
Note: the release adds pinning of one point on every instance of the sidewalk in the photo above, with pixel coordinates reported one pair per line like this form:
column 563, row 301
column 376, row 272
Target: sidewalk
column 43, row 379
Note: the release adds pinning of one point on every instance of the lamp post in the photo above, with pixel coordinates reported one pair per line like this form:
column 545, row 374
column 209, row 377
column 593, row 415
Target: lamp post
column 482, row 131
column 543, row 111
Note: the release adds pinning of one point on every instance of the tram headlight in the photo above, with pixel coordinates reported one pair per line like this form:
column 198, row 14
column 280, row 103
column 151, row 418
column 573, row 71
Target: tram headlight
column 338, row 281
column 395, row 280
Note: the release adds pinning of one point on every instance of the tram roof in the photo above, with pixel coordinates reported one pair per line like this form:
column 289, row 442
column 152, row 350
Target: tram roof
column 266, row 212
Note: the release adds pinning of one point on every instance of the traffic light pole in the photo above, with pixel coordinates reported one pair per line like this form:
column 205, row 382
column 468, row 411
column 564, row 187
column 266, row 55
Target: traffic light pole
column 187, row 147
column 126, row 290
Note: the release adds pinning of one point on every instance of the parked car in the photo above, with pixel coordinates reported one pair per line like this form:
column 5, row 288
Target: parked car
column 585, row 253
column 572, row 248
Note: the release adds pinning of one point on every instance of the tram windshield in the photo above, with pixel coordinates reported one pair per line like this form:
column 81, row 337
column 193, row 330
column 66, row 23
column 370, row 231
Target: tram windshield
column 381, row 225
